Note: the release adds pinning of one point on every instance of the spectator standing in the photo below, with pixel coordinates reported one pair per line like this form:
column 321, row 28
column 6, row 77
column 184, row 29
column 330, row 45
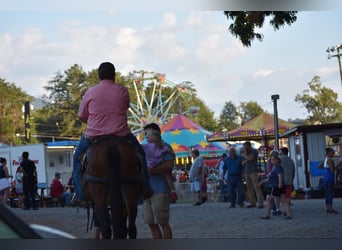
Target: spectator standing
column 233, row 165
column 156, row 209
column 4, row 182
column 289, row 173
column 251, row 175
column 269, row 167
column 329, row 179
column 275, row 184
column 58, row 190
column 204, row 187
column 29, row 182
column 222, row 179
column 196, row 176
column 339, row 174
column 19, row 176
column 155, row 149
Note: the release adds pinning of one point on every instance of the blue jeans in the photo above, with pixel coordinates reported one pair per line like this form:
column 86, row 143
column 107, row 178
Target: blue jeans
column 76, row 172
column 235, row 184
column 329, row 192
column 82, row 148
column 66, row 198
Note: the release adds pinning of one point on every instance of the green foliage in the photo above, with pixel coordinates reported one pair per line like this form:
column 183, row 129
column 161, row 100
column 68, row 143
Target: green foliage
column 204, row 117
column 249, row 110
column 321, row 103
column 245, row 23
column 229, row 116
column 59, row 117
column 11, row 114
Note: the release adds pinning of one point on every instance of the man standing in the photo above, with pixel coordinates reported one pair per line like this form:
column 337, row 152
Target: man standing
column 104, row 109
column 29, row 182
column 233, row 165
column 289, row 174
column 196, row 176
column 252, row 179
column 156, row 210
column 222, row 178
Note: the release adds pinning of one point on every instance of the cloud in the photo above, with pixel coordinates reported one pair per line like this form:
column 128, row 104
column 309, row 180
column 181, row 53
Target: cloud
column 169, row 19
column 193, row 46
column 324, row 71
column 263, row 73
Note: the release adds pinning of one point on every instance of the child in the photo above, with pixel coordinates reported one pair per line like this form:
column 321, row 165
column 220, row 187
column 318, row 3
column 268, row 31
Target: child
column 155, row 150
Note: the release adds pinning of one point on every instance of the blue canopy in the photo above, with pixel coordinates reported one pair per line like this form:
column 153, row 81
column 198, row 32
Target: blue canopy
column 63, row 143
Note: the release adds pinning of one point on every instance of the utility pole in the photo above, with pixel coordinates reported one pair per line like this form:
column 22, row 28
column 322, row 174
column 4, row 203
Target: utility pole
column 276, row 135
column 27, row 121
column 338, row 55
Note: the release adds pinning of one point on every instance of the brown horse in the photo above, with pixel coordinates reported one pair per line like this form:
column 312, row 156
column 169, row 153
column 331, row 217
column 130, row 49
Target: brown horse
column 112, row 178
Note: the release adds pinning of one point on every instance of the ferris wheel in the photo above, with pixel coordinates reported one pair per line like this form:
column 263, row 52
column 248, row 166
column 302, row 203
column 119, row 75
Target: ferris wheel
column 151, row 102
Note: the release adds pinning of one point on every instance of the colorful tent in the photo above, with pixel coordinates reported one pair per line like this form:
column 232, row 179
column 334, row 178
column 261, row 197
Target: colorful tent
column 183, row 135
column 260, row 127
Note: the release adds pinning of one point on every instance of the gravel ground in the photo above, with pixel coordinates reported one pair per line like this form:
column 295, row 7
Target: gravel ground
column 213, row 220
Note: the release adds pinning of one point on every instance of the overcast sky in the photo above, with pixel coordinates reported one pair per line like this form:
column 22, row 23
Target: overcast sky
column 184, row 45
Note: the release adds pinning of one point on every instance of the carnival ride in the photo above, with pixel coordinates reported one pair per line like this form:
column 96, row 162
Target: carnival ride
column 154, row 99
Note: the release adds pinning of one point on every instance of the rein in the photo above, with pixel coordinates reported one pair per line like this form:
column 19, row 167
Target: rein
column 95, row 179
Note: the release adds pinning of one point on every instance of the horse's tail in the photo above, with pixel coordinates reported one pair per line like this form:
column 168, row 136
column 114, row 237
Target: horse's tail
column 114, row 163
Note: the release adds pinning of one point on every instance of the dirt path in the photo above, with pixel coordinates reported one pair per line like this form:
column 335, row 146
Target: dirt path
column 213, row 220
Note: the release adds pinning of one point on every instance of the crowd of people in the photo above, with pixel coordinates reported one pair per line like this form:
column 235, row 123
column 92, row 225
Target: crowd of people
column 22, row 191
column 104, row 110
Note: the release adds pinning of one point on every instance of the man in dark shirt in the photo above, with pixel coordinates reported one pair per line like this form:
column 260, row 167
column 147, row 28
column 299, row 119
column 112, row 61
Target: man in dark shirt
column 29, row 182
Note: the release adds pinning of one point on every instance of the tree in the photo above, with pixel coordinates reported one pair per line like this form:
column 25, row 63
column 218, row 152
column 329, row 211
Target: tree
column 11, row 114
column 249, row 110
column 204, row 117
column 246, row 22
column 59, row 117
column 229, row 116
column 321, row 103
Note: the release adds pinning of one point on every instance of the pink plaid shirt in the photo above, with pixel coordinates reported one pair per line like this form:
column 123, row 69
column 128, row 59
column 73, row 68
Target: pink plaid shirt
column 104, row 109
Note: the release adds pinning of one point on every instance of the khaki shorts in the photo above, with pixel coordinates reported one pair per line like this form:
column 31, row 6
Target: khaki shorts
column 156, row 210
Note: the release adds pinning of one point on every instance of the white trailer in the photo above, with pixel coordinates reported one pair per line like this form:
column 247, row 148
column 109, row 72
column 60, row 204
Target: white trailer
column 48, row 160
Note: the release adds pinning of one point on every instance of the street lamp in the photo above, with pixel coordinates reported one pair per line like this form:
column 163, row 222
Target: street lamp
column 274, row 99
column 338, row 55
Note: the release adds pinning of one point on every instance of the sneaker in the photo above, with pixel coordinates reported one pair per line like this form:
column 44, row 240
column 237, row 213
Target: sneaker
column 250, row 206
column 204, row 199
column 197, row 204
column 78, row 203
column 173, row 196
column 241, row 205
column 231, row 206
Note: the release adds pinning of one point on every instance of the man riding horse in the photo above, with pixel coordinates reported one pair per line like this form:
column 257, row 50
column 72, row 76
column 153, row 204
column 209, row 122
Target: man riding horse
column 104, row 109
